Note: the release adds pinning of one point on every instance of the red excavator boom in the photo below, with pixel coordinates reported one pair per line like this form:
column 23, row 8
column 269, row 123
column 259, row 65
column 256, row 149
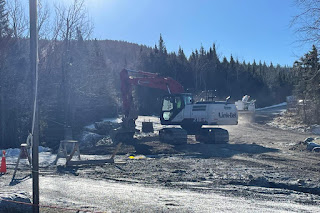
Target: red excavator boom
column 145, row 79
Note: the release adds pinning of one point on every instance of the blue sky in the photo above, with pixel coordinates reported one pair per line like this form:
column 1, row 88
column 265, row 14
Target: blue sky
column 247, row 29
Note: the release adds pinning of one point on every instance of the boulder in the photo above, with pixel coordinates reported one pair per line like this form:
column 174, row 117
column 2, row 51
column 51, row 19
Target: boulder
column 312, row 145
column 89, row 138
column 104, row 127
column 316, row 149
column 307, row 140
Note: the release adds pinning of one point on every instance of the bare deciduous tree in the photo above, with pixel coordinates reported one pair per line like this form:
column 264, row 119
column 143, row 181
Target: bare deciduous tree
column 43, row 19
column 307, row 22
column 72, row 19
column 17, row 18
column 72, row 22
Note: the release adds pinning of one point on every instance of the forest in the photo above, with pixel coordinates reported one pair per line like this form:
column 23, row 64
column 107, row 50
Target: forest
column 79, row 76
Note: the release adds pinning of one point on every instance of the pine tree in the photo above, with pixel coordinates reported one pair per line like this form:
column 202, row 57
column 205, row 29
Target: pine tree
column 308, row 84
column 162, row 47
column 4, row 23
column 4, row 38
column 5, row 31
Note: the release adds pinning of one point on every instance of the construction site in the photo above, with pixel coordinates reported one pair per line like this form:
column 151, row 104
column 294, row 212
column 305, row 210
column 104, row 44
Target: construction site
column 261, row 168
column 89, row 125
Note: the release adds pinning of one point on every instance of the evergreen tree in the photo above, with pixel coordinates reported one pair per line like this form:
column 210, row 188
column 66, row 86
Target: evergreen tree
column 308, row 85
column 214, row 72
column 4, row 23
column 204, row 71
column 162, row 47
column 4, row 75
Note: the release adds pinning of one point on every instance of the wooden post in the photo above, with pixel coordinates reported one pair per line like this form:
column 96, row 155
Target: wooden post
column 35, row 123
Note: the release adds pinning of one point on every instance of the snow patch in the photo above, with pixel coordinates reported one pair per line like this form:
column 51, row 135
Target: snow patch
column 90, row 127
column 288, row 121
column 44, row 149
column 274, row 106
column 112, row 120
column 14, row 152
column 315, row 129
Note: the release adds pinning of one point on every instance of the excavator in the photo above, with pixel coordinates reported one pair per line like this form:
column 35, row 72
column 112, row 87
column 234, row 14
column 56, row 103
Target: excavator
column 178, row 108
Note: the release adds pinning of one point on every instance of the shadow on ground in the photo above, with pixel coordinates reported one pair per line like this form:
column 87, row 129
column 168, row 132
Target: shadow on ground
column 15, row 181
column 150, row 146
column 222, row 150
column 264, row 182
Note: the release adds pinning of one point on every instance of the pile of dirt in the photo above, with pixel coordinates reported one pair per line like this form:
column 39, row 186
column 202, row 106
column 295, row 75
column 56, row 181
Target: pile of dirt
column 309, row 144
column 300, row 146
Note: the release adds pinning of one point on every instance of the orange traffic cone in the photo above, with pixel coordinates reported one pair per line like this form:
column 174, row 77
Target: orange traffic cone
column 3, row 168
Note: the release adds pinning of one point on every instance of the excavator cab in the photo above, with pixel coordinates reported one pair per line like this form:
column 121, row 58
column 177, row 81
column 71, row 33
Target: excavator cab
column 172, row 105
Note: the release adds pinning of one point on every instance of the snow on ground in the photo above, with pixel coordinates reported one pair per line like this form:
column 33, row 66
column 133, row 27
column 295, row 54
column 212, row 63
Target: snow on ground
column 287, row 121
column 45, row 156
column 120, row 197
column 273, row 106
column 112, row 120
column 91, row 127
column 14, row 152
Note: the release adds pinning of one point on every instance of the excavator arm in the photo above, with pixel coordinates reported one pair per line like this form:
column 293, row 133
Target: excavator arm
column 131, row 78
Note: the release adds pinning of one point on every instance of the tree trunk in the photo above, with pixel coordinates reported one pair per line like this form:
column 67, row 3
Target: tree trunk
column 3, row 119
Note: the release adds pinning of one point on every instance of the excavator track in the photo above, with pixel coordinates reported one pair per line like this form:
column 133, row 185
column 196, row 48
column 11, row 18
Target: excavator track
column 175, row 136
column 213, row 136
column 121, row 135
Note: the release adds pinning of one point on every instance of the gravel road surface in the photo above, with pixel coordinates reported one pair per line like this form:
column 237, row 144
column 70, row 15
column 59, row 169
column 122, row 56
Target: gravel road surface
column 261, row 169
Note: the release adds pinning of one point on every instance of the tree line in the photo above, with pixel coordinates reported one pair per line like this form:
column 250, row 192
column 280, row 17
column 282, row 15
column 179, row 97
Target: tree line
column 79, row 77
column 307, row 86
column 204, row 70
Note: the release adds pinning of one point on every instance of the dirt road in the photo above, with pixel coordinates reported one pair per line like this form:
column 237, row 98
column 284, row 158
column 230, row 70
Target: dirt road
column 261, row 169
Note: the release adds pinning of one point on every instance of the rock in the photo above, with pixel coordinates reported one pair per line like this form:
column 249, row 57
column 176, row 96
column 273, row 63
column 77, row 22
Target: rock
column 301, row 182
column 104, row 127
column 7, row 206
column 308, row 140
column 316, row 149
column 105, row 141
column 260, row 181
column 89, row 138
column 179, row 171
column 312, row 145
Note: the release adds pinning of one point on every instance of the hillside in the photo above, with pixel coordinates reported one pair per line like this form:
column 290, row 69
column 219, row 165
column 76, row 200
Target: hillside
column 82, row 80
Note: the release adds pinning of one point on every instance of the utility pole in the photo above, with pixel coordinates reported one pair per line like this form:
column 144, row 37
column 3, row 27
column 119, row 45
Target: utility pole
column 35, row 120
